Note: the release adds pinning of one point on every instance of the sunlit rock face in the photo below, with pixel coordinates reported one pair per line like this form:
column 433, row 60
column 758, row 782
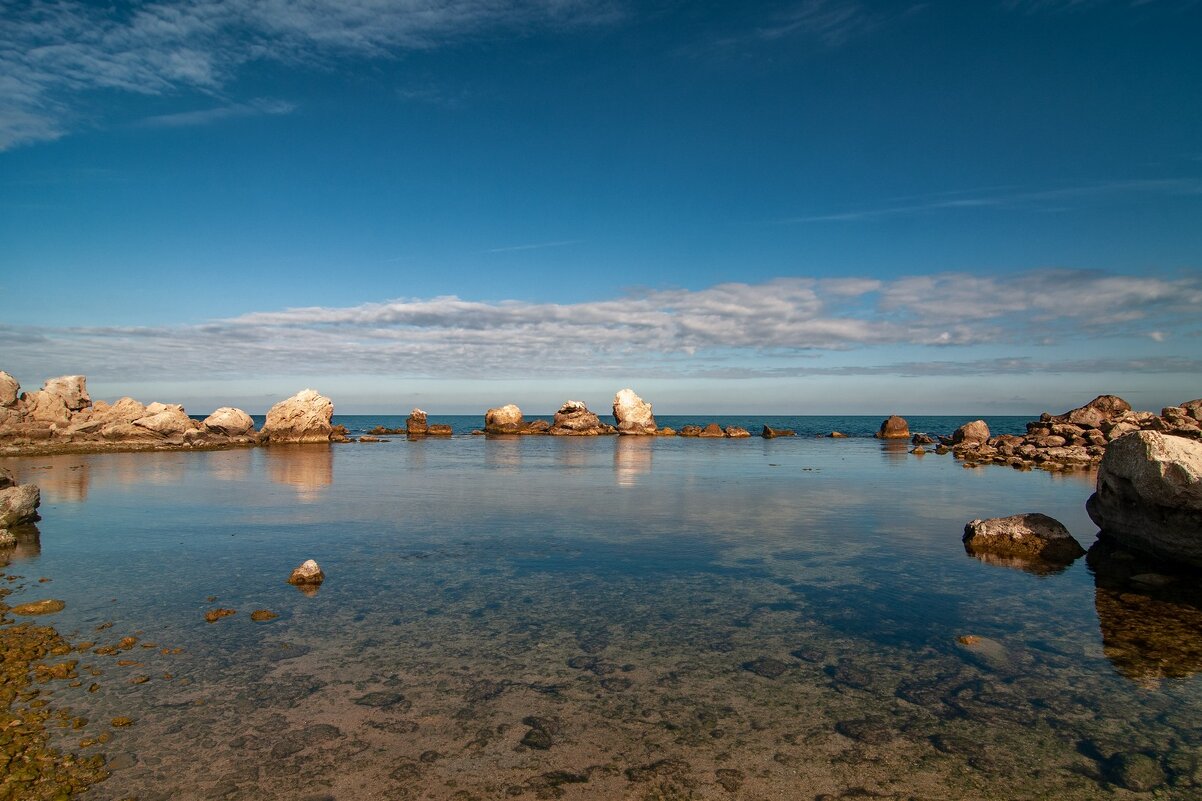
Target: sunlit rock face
column 1149, row 495
column 894, row 427
column 575, row 419
column 1033, row 542
column 1149, row 613
column 305, row 417
column 633, row 414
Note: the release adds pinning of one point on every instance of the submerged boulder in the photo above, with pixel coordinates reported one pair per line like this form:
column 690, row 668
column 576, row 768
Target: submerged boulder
column 633, row 414
column 1149, row 495
column 894, row 427
column 1026, row 536
column 305, row 417
column 575, row 419
column 773, row 433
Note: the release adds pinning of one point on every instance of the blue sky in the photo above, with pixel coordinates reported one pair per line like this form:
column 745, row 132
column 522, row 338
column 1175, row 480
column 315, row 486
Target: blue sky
column 796, row 207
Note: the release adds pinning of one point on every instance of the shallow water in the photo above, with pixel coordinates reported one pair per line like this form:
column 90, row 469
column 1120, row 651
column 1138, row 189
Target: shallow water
column 601, row 618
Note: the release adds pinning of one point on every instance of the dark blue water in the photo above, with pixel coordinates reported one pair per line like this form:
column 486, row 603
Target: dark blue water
column 604, row 618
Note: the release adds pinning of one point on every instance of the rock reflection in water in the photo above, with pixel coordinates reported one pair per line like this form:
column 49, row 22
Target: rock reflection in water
column 28, row 544
column 895, row 451
column 632, row 458
column 503, row 452
column 1037, row 567
column 1151, row 619
column 232, row 465
column 61, row 478
column 307, row 468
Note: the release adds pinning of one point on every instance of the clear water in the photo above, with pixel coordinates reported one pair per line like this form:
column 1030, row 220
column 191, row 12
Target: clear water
column 603, row 597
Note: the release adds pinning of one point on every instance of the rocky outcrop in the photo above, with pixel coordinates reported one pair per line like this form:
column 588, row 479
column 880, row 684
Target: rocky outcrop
column 1149, row 496
column 773, row 433
column 438, row 430
column 735, row 432
column 61, row 417
column 505, row 419
column 416, row 423
column 633, row 414
column 1078, row 438
column 18, row 506
column 229, row 421
column 308, row 573
column 1033, row 536
column 10, row 390
column 712, row 431
column 305, row 417
column 974, row 433
column 574, row 419
column 894, row 427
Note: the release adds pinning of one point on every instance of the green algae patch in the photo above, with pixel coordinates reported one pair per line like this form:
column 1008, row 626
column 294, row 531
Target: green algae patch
column 29, row 767
column 47, row 606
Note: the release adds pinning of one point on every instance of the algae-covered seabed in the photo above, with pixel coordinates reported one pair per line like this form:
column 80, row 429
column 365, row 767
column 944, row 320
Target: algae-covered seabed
column 598, row 619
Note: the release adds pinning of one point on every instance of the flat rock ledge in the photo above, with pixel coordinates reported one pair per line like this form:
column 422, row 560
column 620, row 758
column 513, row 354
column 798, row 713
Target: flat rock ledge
column 1030, row 537
column 1075, row 440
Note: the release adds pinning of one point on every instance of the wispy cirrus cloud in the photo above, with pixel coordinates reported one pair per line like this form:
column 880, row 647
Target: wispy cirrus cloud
column 52, row 53
column 764, row 328
column 1050, row 199
column 218, row 113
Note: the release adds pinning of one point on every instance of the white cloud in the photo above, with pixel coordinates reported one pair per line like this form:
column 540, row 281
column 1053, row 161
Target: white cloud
column 763, row 328
column 50, row 52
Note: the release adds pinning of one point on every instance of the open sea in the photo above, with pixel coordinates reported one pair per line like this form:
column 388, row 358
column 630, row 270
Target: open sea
column 604, row 618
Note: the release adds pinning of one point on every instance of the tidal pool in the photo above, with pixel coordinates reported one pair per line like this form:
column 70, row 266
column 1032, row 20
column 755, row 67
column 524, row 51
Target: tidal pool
column 604, row 618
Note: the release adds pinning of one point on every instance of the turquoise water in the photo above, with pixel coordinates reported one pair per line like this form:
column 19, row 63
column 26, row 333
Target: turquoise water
column 603, row 618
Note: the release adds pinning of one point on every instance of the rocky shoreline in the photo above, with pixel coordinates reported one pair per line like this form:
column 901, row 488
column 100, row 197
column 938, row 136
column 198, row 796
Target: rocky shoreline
column 62, row 418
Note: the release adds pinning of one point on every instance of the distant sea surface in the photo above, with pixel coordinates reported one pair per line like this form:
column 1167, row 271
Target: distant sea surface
column 804, row 425
column 602, row 618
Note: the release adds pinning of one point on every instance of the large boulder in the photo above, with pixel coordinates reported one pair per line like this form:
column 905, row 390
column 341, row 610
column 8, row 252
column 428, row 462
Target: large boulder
column 45, row 408
column 416, row 423
column 575, row 420
column 230, row 422
column 73, row 389
column 305, row 417
column 633, row 414
column 1097, row 412
column 505, row 419
column 894, row 427
column 19, row 505
column 10, row 390
column 1149, row 495
column 974, row 433
column 1026, row 536
column 169, row 421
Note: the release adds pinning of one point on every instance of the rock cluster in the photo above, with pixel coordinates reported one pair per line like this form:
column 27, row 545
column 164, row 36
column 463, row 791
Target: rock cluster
column 714, row 431
column 1073, row 440
column 1149, row 496
column 62, row 416
column 575, row 420
column 508, row 419
column 633, row 414
column 417, row 425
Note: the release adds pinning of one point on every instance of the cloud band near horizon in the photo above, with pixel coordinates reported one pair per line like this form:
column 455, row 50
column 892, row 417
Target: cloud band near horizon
column 953, row 323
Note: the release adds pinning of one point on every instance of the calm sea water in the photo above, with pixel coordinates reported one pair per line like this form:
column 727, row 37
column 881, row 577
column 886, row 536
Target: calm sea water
column 602, row 618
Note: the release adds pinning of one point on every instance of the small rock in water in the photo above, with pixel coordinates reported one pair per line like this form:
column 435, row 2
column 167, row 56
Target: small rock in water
column 766, row 666
column 261, row 615
column 213, row 615
column 308, row 573
column 1137, row 772
column 987, row 652
column 44, row 607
